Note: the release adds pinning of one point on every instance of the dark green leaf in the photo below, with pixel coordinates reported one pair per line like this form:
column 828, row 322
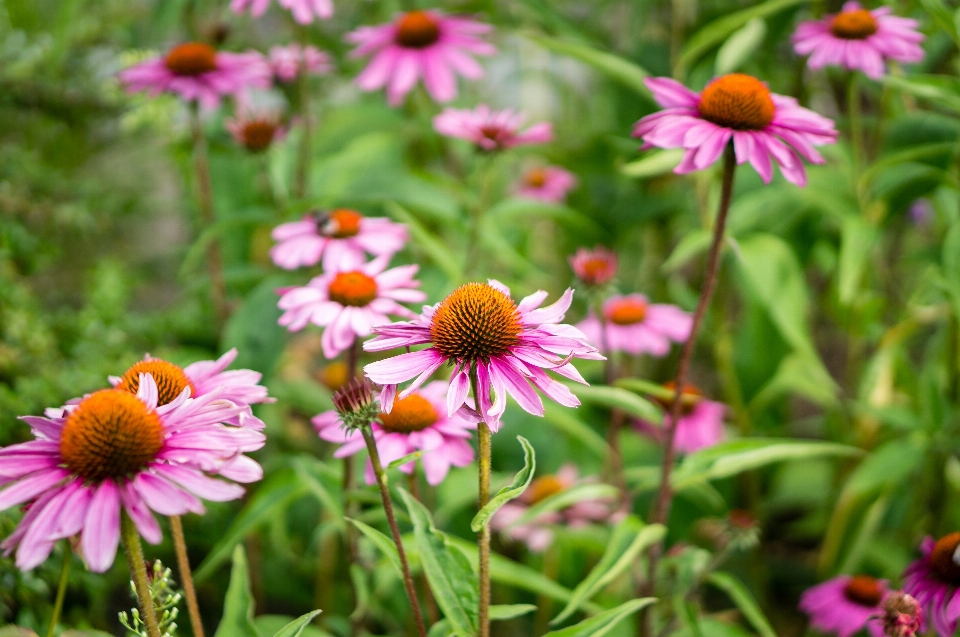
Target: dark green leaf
column 238, row 608
column 520, row 483
column 604, row 622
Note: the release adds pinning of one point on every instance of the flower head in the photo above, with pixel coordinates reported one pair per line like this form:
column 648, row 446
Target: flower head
column 198, row 72
column 421, row 44
column 763, row 126
column 341, row 237
column 304, row 11
column 491, row 130
column 846, row 604
column 255, row 131
column 860, row 39
column 355, row 406
column 418, row 422
column 902, row 615
column 350, row 303
column 478, row 328
column 594, row 267
column 934, row 580
column 547, row 183
column 119, row 449
column 634, row 325
column 288, row 61
column 701, row 421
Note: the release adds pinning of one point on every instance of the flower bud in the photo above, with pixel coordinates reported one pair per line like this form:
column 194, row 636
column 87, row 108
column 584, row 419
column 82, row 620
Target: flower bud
column 356, row 404
column 902, row 615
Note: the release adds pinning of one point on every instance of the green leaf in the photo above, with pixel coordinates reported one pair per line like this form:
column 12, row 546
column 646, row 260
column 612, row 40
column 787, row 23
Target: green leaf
column 509, row 611
column 296, row 627
column 857, row 240
column 520, row 483
column 800, row 374
column 253, row 328
column 692, row 244
column 628, row 541
column 942, row 16
column 614, row 66
column 310, row 471
column 586, row 491
column 604, row 622
column 434, row 247
column 441, row 629
column 237, row 618
column 616, row 398
column 654, row 163
column 276, row 624
column 382, row 542
column 520, row 210
column 942, row 90
column 740, row 46
column 565, row 420
column 744, row 601
column 890, row 464
column 453, row 582
column 410, row 457
column 640, row 386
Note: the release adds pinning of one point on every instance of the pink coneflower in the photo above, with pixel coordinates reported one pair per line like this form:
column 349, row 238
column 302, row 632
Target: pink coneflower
column 846, row 604
column 701, row 420
column 479, row 327
column 934, row 580
column 537, row 534
column 857, row 38
column 197, row 71
column 491, row 130
column 763, row 126
column 902, row 615
column 255, row 131
column 304, row 11
column 117, row 449
column 287, row 61
column 341, row 237
column 415, row 423
column 350, row 303
column 636, row 326
column 549, row 183
column 594, row 267
column 421, row 44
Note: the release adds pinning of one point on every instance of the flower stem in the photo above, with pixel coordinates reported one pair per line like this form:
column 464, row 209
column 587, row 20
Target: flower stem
column 186, row 577
column 138, row 571
column 474, row 249
column 483, row 539
column 305, row 151
column 208, row 215
column 61, row 589
column 392, row 521
column 856, row 124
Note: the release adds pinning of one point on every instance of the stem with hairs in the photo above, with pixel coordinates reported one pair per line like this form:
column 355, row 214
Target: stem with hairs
column 186, row 577
column 483, row 539
column 138, row 571
column 61, row 589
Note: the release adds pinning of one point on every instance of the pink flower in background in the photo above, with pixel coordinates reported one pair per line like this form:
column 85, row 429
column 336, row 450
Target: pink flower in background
column 700, row 425
column 350, row 303
column 415, row 423
column 197, row 71
column 304, row 11
column 860, row 39
column 537, row 533
column 550, row 184
column 117, row 449
column 763, row 126
column 287, row 61
column 255, row 131
column 491, row 130
column 594, row 267
column 846, row 604
column 480, row 327
column 342, row 238
column 425, row 45
column 934, row 580
column 634, row 325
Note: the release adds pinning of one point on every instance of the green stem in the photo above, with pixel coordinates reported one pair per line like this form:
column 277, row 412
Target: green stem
column 305, row 151
column 856, row 125
column 474, row 249
column 186, row 577
column 483, row 539
column 394, row 530
column 61, row 589
column 138, row 571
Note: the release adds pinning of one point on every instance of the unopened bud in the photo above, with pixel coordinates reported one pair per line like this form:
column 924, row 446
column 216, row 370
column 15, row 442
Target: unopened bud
column 356, row 404
column 902, row 615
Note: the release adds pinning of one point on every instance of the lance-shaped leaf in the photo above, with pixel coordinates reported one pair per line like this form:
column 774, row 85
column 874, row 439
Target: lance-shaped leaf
column 520, row 483
column 604, row 622
column 509, row 611
column 744, row 601
column 381, row 541
column 614, row 66
column 617, row 398
column 238, row 606
column 295, row 628
column 410, row 457
column 586, row 491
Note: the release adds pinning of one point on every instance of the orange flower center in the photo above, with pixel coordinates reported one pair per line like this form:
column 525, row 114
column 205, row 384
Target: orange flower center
column 858, row 24
column 413, row 413
column 629, row 311
column 596, row 270
column 689, row 398
column 340, row 224
column 353, row 288
column 943, row 559
column 417, row 30
column 334, row 376
column 475, row 322
column 863, row 590
column 258, row 134
column 170, row 379
column 191, row 59
column 737, row 101
column 110, row 434
column 536, row 178
column 542, row 488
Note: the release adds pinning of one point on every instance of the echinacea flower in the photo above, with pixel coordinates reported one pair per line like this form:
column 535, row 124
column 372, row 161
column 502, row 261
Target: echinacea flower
column 420, row 44
column 255, row 131
column 341, row 237
column 701, row 420
column 288, row 61
column 198, row 72
column 846, row 604
column 350, row 303
column 764, row 127
column 594, row 267
column 118, row 449
column 491, row 130
column 902, row 615
column 416, row 423
column 548, row 183
column 537, row 533
column 860, row 39
column 304, row 11
column 478, row 329
column 934, row 580
column 633, row 325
